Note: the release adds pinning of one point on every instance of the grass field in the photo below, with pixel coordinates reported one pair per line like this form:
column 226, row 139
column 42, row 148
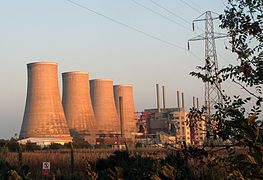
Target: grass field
column 60, row 160
column 200, row 165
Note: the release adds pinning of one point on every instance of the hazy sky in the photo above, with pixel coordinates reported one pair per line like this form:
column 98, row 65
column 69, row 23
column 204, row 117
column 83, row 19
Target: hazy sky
column 77, row 39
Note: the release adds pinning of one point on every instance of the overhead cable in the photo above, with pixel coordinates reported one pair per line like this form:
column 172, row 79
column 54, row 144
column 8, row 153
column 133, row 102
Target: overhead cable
column 155, row 12
column 195, row 9
column 133, row 28
column 126, row 25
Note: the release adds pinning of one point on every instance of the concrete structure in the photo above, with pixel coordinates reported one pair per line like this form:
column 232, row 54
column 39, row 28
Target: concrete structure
column 107, row 121
column 158, row 98
column 44, row 116
column 128, row 114
column 77, row 104
column 182, row 129
column 164, row 99
column 200, row 132
column 182, row 100
column 172, row 121
column 178, row 99
column 198, row 128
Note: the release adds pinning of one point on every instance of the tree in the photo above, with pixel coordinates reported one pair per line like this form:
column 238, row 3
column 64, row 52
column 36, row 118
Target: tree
column 243, row 19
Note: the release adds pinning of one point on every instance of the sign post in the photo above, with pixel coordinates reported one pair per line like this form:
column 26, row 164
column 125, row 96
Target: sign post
column 45, row 168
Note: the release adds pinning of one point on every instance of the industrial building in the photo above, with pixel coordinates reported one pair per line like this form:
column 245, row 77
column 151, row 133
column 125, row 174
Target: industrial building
column 172, row 122
column 44, row 116
column 77, row 105
column 165, row 123
column 98, row 112
column 87, row 111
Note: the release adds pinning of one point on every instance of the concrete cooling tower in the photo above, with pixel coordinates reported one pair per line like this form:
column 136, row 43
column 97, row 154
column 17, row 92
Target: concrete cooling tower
column 44, row 116
column 128, row 110
column 101, row 91
column 77, row 104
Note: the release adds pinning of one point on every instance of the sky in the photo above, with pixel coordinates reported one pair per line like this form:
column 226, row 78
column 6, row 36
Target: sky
column 131, row 42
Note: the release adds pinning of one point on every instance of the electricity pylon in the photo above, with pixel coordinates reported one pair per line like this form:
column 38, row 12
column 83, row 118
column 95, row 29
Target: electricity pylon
column 212, row 91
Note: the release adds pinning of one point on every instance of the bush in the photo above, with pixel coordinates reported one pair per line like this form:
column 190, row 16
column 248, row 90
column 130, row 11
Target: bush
column 31, row 147
column 56, row 146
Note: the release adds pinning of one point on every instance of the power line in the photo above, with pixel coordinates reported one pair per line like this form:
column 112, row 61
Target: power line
column 195, row 9
column 126, row 25
column 169, row 11
column 159, row 14
column 149, row 9
column 134, row 29
column 162, row 7
column 197, row 57
column 186, row 21
column 197, row 5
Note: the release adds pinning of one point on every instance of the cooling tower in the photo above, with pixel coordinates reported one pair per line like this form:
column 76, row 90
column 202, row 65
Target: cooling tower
column 77, row 104
column 101, row 91
column 128, row 114
column 44, row 116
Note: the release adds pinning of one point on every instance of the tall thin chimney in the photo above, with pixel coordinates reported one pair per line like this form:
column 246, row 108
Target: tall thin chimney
column 164, row 103
column 121, row 113
column 183, row 100
column 158, row 98
column 197, row 103
column 193, row 101
column 178, row 99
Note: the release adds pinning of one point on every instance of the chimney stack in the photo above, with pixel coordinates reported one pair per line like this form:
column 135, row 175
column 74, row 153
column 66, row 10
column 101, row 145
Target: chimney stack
column 197, row 103
column 164, row 107
column 183, row 100
column 121, row 113
column 178, row 99
column 193, row 101
column 158, row 98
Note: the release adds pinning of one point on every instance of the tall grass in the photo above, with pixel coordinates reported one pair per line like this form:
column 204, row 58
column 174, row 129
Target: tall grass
column 60, row 159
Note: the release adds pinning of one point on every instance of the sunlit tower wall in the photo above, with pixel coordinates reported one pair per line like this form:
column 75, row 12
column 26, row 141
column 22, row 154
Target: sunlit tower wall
column 107, row 121
column 44, row 116
column 128, row 109
column 77, row 104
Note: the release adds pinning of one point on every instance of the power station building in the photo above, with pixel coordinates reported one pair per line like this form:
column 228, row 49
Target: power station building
column 173, row 122
column 77, row 104
column 97, row 110
column 44, row 120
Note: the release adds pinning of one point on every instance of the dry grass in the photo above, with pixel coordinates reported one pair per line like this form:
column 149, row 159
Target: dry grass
column 60, row 159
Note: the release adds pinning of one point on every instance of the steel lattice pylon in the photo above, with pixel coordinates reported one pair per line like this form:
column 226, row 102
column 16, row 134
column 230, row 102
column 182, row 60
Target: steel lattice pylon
column 212, row 91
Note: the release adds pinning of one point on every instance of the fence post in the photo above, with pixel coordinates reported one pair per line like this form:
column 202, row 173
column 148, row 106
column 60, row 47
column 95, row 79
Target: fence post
column 71, row 157
column 20, row 155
